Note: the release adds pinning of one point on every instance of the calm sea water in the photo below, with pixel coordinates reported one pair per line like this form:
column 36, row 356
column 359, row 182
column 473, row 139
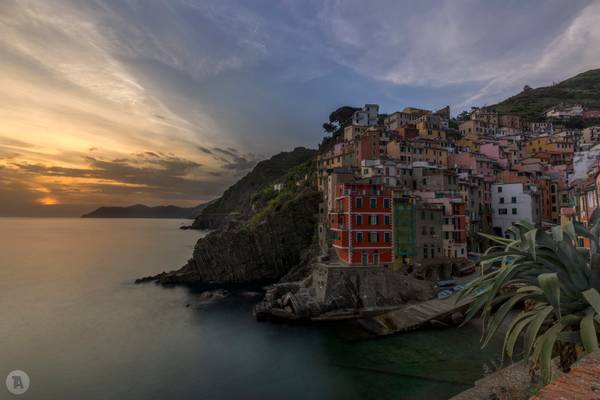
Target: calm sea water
column 71, row 317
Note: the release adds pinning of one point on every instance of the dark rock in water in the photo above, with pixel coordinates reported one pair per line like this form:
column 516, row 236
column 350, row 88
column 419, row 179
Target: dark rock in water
column 185, row 227
column 210, row 295
column 150, row 278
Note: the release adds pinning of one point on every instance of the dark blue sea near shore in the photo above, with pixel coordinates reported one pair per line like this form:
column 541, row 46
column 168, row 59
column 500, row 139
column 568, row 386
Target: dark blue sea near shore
column 72, row 318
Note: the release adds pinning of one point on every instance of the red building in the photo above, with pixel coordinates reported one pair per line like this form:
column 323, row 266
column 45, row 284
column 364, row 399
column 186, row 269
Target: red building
column 591, row 114
column 361, row 223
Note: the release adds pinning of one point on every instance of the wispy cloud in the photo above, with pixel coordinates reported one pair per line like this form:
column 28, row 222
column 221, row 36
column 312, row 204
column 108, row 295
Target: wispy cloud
column 189, row 91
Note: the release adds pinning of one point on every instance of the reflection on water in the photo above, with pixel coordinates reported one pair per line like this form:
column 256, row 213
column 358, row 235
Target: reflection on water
column 75, row 322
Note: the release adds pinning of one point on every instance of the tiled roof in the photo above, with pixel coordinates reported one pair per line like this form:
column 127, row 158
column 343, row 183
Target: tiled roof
column 582, row 382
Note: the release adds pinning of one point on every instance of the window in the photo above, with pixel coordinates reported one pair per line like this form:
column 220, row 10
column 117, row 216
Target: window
column 432, row 231
column 386, row 237
column 499, row 189
column 373, row 219
column 359, row 237
column 373, row 237
column 359, row 202
column 386, row 219
column 386, row 203
column 514, row 211
column 424, row 230
column 433, row 252
column 373, row 202
column 359, row 220
column 432, row 216
column 513, row 200
column 425, row 251
column 502, row 211
column 501, row 200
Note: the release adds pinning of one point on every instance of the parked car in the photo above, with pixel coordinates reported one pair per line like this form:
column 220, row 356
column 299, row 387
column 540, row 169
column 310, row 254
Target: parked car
column 466, row 270
column 474, row 257
column 445, row 284
column 444, row 294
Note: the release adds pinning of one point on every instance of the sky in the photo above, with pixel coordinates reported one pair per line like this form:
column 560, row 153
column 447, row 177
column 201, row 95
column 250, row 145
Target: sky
column 108, row 102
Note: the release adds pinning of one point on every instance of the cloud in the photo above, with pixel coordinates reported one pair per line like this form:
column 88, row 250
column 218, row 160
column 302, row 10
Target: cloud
column 184, row 93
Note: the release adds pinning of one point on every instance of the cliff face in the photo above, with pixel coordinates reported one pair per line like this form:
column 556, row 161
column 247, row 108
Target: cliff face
column 268, row 236
column 235, row 205
column 262, row 251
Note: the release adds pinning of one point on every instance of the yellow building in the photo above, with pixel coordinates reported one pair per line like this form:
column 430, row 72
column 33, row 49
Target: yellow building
column 548, row 144
column 470, row 141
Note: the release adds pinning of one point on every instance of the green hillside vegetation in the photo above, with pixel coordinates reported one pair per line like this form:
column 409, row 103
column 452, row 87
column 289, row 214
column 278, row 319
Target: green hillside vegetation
column 531, row 103
column 300, row 178
column 239, row 198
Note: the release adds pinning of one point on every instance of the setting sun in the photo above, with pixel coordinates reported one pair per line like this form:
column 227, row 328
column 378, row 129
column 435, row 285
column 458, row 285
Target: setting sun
column 48, row 201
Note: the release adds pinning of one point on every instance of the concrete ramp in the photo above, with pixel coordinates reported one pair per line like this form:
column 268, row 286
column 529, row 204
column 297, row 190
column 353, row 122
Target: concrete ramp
column 414, row 316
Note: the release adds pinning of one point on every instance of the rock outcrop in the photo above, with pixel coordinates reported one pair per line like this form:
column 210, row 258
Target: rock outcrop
column 263, row 250
column 341, row 290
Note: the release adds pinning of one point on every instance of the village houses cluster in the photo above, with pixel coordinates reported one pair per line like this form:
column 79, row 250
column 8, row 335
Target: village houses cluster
column 415, row 188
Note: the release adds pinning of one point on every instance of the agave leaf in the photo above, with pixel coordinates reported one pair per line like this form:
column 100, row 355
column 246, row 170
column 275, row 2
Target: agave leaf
column 500, row 315
column 569, row 231
column 530, row 289
column 593, row 298
column 570, row 336
column 534, row 327
column 595, row 218
column 574, row 263
column 581, row 230
column 551, row 287
column 545, row 356
column 587, row 330
column 557, row 233
column 514, row 331
column 595, row 271
column 495, row 239
column 530, row 240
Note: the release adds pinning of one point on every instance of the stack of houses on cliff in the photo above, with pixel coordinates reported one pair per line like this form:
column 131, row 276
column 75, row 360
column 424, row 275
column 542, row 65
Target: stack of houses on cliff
column 414, row 188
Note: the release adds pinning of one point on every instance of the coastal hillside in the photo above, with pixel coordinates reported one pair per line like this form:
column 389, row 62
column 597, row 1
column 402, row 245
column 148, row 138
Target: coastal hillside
column 581, row 89
column 142, row 211
column 276, row 237
column 235, row 202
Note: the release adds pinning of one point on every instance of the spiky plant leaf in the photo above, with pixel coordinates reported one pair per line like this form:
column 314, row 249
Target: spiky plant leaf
column 593, row 298
column 587, row 330
column 551, row 287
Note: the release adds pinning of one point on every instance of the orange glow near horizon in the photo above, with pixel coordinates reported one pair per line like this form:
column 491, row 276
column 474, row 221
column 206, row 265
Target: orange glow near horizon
column 48, row 201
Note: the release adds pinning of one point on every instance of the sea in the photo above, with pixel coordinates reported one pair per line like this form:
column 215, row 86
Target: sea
column 73, row 320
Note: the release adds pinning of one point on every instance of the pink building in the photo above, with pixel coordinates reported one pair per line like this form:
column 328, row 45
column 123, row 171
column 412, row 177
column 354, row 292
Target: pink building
column 493, row 151
column 464, row 161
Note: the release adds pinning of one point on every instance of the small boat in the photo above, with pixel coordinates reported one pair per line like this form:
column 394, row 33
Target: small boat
column 444, row 294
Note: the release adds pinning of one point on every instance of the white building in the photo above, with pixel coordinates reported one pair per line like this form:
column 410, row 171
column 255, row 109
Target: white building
column 565, row 111
column 514, row 202
column 367, row 116
column 386, row 170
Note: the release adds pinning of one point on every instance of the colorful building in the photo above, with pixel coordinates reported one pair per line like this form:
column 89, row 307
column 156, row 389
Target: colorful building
column 361, row 224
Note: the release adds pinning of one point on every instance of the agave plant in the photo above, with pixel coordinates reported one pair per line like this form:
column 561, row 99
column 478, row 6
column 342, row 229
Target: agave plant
column 557, row 279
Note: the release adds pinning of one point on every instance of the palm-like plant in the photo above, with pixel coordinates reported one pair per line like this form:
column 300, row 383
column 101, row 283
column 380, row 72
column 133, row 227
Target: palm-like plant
column 560, row 280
